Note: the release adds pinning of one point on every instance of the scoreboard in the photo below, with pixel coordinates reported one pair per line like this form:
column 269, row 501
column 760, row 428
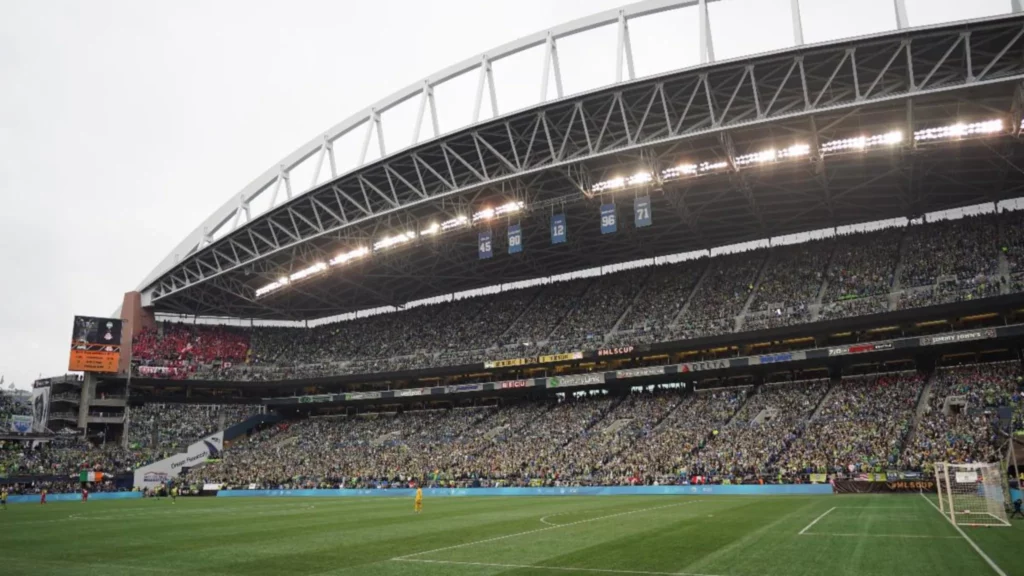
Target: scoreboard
column 95, row 344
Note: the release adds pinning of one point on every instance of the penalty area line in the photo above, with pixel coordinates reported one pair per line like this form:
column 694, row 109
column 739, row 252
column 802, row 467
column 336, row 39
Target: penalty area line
column 550, row 568
column 551, row 527
column 815, row 521
column 995, row 567
column 853, row 535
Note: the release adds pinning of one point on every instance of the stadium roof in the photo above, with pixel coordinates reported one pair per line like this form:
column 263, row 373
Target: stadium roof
column 896, row 124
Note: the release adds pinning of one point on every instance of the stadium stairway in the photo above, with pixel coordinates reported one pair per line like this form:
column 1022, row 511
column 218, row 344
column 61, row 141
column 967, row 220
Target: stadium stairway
column 1004, row 274
column 816, row 306
column 832, row 385
column 501, row 337
column 894, row 289
column 689, row 297
column 629, row 308
column 739, row 410
column 738, row 325
column 243, row 427
column 922, row 408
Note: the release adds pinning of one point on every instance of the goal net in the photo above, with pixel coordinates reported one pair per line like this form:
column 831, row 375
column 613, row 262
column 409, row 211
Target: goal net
column 971, row 494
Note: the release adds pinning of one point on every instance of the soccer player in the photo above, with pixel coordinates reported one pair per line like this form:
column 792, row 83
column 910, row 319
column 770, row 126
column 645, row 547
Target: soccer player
column 174, row 495
column 85, row 494
column 3, row 498
column 419, row 500
column 42, row 496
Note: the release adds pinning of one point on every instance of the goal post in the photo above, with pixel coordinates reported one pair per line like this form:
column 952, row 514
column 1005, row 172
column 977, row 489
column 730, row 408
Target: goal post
column 971, row 494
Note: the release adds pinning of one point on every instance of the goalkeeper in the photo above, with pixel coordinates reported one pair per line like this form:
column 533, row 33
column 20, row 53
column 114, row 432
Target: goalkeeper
column 419, row 500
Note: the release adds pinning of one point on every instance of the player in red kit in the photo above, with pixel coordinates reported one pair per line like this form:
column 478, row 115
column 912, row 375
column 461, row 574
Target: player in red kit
column 85, row 494
column 42, row 496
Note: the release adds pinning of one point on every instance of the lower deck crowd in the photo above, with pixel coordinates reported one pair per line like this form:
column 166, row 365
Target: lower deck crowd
column 779, row 431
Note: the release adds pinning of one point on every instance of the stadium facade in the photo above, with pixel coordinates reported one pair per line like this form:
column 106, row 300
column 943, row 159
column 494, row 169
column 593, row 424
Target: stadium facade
column 748, row 152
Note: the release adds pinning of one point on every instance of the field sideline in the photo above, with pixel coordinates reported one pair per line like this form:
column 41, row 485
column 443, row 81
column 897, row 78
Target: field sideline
column 689, row 535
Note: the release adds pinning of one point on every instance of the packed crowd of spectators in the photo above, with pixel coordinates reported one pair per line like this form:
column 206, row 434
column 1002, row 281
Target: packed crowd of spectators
column 175, row 426
column 721, row 296
column 600, row 307
column 789, row 285
column 963, row 250
column 663, row 297
column 749, row 447
column 960, row 422
column 850, row 275
column 665, row 434
column 860, row 427
column 67, row 457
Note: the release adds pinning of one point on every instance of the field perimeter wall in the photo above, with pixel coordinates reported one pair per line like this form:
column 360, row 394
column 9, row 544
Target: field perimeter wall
column 747, row 490
column 74, row 497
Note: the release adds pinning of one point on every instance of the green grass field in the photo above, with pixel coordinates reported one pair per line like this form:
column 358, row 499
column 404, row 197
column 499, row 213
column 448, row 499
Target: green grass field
column 714, row 535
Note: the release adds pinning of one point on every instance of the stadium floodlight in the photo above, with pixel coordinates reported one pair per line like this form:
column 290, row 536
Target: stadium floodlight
column 612, row 184
column 485, row 214
column 679, row 171
column 509, row 208
column 711, row 166
column 639, row 178
column 280, row 283
column 434, row 228
column 959, row 130
column 389, row 241
column 350, row 255
column 772, row 155
column 307, row 272
column 454, row 223
column 862, row 142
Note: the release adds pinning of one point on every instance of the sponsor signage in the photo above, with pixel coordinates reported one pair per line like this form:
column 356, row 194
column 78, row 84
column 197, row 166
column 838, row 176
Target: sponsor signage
column 576, row 380
column 507, row 363
column 859, row 348
column 466, row 388
column 616, row 351
column 775, row 358
column 703, row 366
column 513, row 384
column 561, row 357
column 959, row 337
column 640, row 372
column 362, row 395
column 911, row 486
column 21, row 424
column 819, row 478
column 315, row 398
column 170, row 468
column 410, row 392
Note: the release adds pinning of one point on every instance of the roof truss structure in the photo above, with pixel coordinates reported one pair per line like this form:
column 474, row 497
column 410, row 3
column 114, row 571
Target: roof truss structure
column 549, row 157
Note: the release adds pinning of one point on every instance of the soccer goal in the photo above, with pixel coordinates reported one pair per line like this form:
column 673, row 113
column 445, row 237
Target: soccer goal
column 971, row 494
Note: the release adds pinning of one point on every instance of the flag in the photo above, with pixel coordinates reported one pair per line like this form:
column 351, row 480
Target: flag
column 87, row 476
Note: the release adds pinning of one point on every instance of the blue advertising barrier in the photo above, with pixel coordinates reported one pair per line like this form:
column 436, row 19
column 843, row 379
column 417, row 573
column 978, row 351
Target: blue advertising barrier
column 715, row 490
column 74, row 497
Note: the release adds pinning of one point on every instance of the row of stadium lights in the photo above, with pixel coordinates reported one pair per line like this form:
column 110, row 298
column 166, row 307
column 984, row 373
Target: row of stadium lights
column 894, row 138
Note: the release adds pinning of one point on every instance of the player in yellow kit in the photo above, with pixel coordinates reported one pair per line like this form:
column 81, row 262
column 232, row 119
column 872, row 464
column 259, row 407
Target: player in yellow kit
column 419, row 500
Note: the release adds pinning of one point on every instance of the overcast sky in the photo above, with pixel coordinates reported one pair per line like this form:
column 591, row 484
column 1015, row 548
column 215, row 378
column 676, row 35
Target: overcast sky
column 123, row 124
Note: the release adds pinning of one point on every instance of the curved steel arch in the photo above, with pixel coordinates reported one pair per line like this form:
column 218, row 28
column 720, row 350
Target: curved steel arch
column 308, row 224
column 277, row 176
